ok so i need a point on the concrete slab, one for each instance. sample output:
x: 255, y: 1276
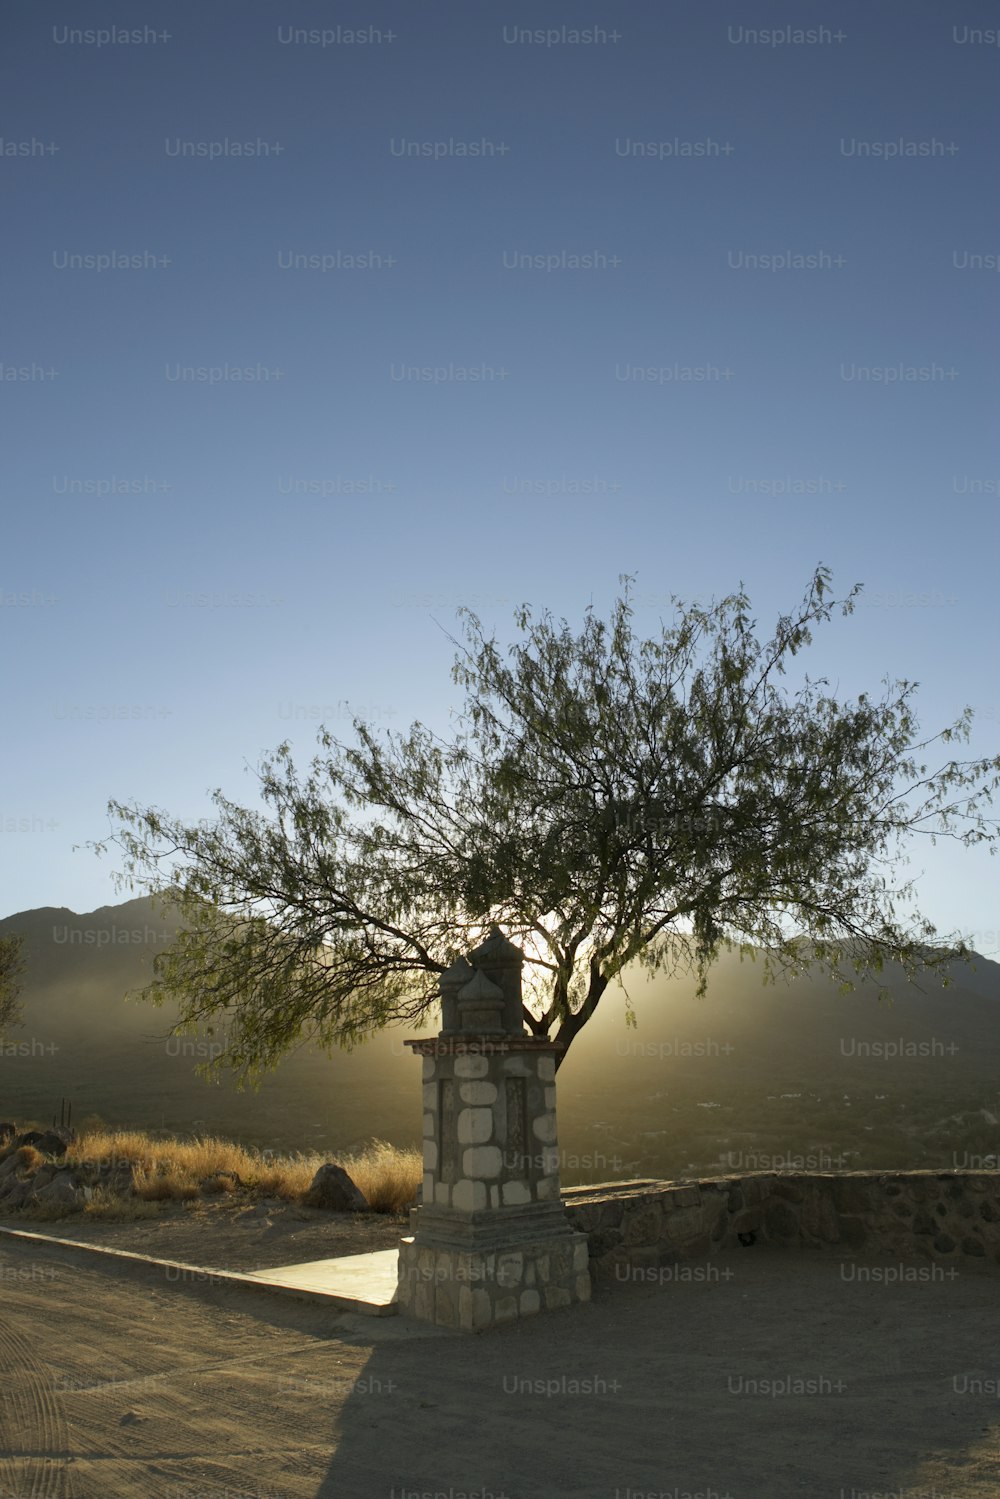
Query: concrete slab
x: 370, y: 1280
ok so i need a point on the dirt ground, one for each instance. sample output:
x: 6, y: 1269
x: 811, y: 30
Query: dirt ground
x: 764, y: 1375
x: 223, y: 1234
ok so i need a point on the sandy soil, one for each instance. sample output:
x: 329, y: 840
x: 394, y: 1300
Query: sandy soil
x: 223, y: 1234
x: 115, y: 1386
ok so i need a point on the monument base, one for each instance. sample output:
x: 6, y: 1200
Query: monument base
x: 473, y: 1289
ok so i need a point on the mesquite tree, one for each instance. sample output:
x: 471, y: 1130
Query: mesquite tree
x: 607, y: 801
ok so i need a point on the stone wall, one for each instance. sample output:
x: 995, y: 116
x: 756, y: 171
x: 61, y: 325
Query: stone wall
x: 939, y: 1215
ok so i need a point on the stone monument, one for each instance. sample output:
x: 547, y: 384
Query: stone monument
x: 490, y: 1241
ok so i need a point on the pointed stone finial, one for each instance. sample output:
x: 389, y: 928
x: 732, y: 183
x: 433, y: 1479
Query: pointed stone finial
x: 481, y: 1004
x: 449, y: 983
x: 501, y: 961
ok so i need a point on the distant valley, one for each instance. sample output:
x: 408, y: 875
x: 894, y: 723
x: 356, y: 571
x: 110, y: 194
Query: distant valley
x: 749, y: 1077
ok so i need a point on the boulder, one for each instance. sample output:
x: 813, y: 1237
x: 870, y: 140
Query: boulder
x: 15, y: 1195
x: 61, y: 1190
x: 9, y: 1166
x: 8, y: 1185
x: 333, y: 1189
x: 52, y: 1141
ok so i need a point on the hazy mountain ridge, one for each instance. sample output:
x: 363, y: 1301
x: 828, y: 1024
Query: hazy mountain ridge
x: 693, y: 1079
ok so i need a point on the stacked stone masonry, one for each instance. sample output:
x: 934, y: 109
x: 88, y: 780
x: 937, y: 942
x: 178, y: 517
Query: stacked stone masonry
x: 475, y: 1290
x: 947, y: 1216
x: 496, y: 1163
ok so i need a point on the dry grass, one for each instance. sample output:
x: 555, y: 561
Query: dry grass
x: 388, y: 1177
x: 181, y: 1170
x: 28, y: 1158
x: 105, y: 1204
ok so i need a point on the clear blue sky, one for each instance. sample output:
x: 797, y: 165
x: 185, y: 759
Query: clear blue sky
x: 302, y: 541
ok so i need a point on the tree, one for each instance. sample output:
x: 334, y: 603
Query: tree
x: 607, y: 801
x: 11, y: 968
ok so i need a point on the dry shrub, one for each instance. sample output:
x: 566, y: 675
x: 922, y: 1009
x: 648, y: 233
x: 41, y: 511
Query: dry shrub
x: 28, y: 1158
x: 180, y: 1170
x: 109, y: 1205
x: 46, y: 1212
x: 288, y: 1177
x: 389, y: 1177
x: 163, y: 1186
x: 221, y: 1181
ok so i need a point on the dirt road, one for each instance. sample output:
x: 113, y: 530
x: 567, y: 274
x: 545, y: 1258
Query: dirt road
x: 767, y: 1375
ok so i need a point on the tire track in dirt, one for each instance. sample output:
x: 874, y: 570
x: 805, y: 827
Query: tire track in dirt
x: 31, y: 1424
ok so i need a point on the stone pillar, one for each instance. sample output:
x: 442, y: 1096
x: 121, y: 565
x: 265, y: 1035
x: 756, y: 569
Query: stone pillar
x: 490, y: 1241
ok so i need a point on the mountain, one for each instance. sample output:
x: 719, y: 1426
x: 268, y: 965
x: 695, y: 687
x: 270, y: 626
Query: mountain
x: 749, y: 1076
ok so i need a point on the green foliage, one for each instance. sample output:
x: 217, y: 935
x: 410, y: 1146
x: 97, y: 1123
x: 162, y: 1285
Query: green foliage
x: 607, y: 801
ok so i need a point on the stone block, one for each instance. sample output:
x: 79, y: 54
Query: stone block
x: 685, y: 1227
x: 430, y: 1157
x: 581, y: 1256
x: 585, y: 1216
x: 428, y: 1126
x: 510, y: 1268
x: 445, y: 1304
x: 543, y: 1127
x: 547, y: 1069
x: 428, y: 1187
x: 514, y: 1193
x: 478, y: 1093
x: 468, y: 1196
x: 422, y: 1300
x: 644, y: 1224
x: 686, y: 1197
x: 561, y: 1262
x: 483, y: 1162
x: 430, y: 1096
x: 494, y: 1196
x: 556, y: 1296
x: 550, y: 1096
x: 505, y: 1309
x: 818, y: 1220
x: 474, y: 1128
x: 429, y: 1068
x: 581, y: 1286
x: 470, y: 1067
x: 442, y: 1195
x: 547, y: 1188
x: 530, y: 1302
